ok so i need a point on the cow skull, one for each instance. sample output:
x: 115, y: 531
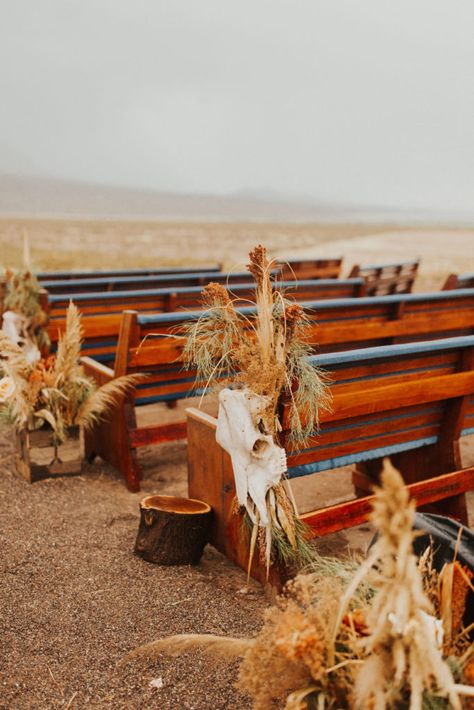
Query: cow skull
x: 257, y: 461
x: 15, y: 326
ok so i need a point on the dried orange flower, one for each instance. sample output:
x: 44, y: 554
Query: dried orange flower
x: 461, y: 578
x: 298, y: 640
x: 215, y: 294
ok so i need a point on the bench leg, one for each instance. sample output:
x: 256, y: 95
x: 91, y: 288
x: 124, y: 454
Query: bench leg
x: 110, y: 440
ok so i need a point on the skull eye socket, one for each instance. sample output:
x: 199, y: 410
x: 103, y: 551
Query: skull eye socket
x: 260, y: 447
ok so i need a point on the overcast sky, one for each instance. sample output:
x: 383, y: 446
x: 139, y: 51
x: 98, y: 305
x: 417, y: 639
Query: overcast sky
x: 369, y: 102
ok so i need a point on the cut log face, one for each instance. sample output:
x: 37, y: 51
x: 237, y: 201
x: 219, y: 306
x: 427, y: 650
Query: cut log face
x: 173, y: 531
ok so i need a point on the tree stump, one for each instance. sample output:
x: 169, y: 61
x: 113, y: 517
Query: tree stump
x: 173, y: 531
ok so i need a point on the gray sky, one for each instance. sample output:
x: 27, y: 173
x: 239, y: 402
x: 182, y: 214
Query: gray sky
x: 363, y: 101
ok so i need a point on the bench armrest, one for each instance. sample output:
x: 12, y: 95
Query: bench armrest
x: 97, y: 370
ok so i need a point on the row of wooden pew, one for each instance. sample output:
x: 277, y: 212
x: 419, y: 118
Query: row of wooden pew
x: 402, y: 368
x: 149, y: 344
x: 102, y: 310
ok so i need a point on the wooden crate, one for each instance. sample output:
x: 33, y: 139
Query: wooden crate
x: 36, y: 457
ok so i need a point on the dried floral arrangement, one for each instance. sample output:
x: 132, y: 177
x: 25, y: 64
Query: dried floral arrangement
x: 384, y: 634
x: 255, y: 363
x: 24, y: 320
x: 54, y: 392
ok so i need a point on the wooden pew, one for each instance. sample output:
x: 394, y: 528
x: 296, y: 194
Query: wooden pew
x: 455, y: 281
x: 384, y: 279
x: 151, y: 281
x: 171, y: 299
x: 56, y: 275
x: 411, y: 402
x: 338, y: 325
x: 343, y: 324
x: 310, y: 268
x: 136, y: 274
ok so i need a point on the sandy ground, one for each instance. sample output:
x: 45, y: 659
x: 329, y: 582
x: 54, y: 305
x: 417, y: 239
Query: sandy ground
x: 73, y: 597
x: 108, y: 244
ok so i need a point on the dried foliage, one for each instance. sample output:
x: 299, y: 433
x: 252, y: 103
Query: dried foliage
x: 355, y: 635
x: 54, y: 392
x: 292, y: 652
x: 221, y: 646
x: 22, y: 296
x: 266, y: 356
x: 369, y: 627
x: 404, y: 664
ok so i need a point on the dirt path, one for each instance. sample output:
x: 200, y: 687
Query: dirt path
x: 74, y: 599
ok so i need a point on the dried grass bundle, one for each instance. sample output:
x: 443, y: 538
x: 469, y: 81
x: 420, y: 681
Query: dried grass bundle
x: 22, y: 296
x: 219, y: 646
x: 351, y: 635
x: 404, y: 665
x: 55, y: 392
x: 265, y: 356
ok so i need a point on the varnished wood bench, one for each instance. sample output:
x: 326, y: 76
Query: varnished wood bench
x: 310, y: 268
x: 56, y: 275
x: 101, y: 312
x: 384, y: 279
x: 78, y: 277
x: 411, y: 402
x: 342, y: 324
x: 101, y: 284
x: 338, y: 324
x: 455, y: 281
x: 171, y: 299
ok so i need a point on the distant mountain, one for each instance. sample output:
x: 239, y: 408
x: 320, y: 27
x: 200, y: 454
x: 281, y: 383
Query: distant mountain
x: 47, y: 197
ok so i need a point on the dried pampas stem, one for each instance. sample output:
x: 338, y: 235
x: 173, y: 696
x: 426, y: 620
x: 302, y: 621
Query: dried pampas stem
x: 220, y: 646
x: 403, y: 648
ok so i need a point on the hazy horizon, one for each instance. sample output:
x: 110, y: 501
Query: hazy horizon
x: 367, y: 104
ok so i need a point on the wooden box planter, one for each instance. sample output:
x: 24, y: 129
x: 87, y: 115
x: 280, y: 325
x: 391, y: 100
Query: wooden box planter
x: 37, y: 457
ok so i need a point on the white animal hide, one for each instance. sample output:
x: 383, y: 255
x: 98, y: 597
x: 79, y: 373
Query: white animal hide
x: 15, y: 327
x: 257, y: 461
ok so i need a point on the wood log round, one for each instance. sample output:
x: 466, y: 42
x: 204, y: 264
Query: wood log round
x: 173, y: 531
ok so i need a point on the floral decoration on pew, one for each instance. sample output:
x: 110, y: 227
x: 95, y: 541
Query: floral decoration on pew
x: 256, y: 362
x: 54, y: 392
x: 383, y: 634
x: 24, y: 320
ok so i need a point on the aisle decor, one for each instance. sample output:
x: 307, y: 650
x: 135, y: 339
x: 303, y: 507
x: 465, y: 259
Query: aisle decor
x: 384, y: 633
x: 51, y: 401
x: 24, y: 320
x: 255, y: 362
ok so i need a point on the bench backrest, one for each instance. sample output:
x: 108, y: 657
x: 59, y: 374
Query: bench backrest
x: 344, y: 324
x: 384, y: 279
x: 310, y: 268
x: 341, y: 324
x: 387, y: 400
x: 140, y: 282
x: 57, y: 275
x: 171, y: 299
x: 455, y: 281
